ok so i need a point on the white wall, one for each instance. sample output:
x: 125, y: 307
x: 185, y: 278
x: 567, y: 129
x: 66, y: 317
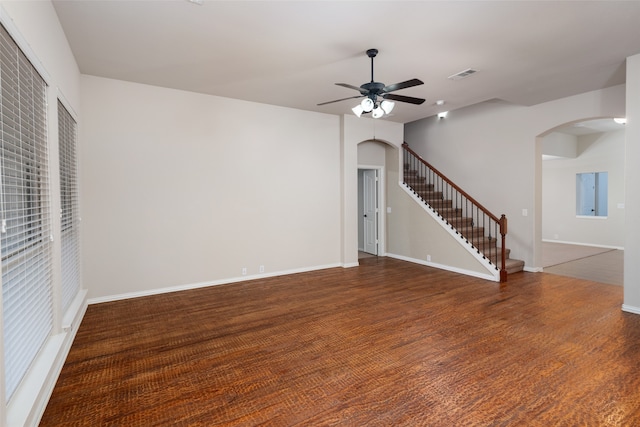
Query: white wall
x: 632, y: 183
x: 182, y: 189
x: 560, y: 144
x: 490, y: 151
x: 38, y: 23
x: 600, y: 152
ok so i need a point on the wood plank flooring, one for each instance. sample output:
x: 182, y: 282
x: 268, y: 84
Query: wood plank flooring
x: 584, y: 262
x: 388, y: 343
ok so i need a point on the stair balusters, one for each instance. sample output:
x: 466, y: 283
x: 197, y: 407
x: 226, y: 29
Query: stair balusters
x: 470, y: 220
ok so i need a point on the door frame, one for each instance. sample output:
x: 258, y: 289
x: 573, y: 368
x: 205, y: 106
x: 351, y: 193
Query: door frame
x: 381, y: 217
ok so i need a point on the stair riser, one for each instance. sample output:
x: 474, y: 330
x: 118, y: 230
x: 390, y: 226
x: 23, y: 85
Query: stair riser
x: 495, y: 251
x: 460, y: 222
x: 471, y: 233
x: 416, y: 186
x: 430, y: 195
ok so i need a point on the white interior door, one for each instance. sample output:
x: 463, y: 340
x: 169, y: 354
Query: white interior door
x: 370, y: 202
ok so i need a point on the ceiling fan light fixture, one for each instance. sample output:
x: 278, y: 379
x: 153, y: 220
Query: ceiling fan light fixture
x: 375, y: 94
x: 367, y: 105
x: 387, y: 106
x: 377, y: 112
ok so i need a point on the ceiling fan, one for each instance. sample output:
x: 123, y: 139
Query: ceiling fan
x: 377, y: 96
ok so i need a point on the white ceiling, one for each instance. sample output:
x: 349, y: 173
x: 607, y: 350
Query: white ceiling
x: 290, y: 53
x: 591, y: 126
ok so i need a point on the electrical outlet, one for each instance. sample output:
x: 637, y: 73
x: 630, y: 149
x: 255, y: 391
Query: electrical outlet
x: 428, y: 258
x: 244, y: 271
x: 262, y: 269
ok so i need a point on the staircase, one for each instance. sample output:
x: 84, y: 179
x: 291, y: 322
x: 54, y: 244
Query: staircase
x: 465, y: 216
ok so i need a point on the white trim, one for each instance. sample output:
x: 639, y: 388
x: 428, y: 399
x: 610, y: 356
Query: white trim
x: 381, y: 190
x: 491, y: 270
x: 186, y: 287
x: 30, y: 400
x: 75, y: 313
x: 352, y: 264
x: 12, y: 29
x: 630, y: 309
x: 584, y: 244
x: 446, y: 267
x: 533, y: 269
x: 67, y: 105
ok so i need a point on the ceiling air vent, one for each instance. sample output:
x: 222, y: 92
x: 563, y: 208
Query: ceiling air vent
x: 463, y: 74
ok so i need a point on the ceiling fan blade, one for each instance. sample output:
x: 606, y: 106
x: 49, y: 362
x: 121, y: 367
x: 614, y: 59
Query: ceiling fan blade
x: 338, y: 100
x: 402, y: 98
x: 402, y: 85
x: 348, y: 86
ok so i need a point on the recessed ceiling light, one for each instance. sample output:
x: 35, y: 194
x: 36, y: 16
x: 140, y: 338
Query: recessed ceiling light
x: 198, y: 2
x: 620, y: 120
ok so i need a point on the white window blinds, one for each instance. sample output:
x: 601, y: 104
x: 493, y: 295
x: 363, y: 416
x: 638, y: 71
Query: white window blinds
x: 24, y: 211
x: 67, y: 135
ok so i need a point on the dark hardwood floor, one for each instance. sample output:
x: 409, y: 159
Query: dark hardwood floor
x: 388, y: 343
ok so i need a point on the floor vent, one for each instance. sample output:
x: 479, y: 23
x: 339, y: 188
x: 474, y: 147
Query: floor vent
x: 463, y: 74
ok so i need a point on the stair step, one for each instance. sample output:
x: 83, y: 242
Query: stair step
x: 482, y: 242
x: 491, y: 253
x: 429, y: 194
x: 418, y: 183
x: 512, y: 265
x: 471, y: 232
x: 450, y: 212
x: 439, y: 204
x: 460, y: 222
x: 422, y: 187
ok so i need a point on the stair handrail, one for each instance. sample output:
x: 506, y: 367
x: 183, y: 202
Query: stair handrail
x: 502, y: 221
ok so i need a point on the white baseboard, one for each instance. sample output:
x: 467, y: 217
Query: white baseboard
x: 157, y: 291
x: 630, y: 309
x: 351, y: 264
x: 487, y: 276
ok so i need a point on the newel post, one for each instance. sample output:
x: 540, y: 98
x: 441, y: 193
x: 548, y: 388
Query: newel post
x: 503, y: 232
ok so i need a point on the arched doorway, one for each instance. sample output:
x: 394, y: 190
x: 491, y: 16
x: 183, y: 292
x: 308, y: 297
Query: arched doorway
x: 374, y: 158
x: 564, y: 237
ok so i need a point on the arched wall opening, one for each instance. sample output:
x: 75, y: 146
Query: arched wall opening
x: 355, y: 131
x: 375, y: 157
x: 595, y: 144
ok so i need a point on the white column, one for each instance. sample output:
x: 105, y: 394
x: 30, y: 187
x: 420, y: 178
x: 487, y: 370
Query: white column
x: 631, y: 301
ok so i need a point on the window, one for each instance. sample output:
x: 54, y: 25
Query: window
x: 67, y: 131
x: 592, y: 194
x: 24, y: 210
